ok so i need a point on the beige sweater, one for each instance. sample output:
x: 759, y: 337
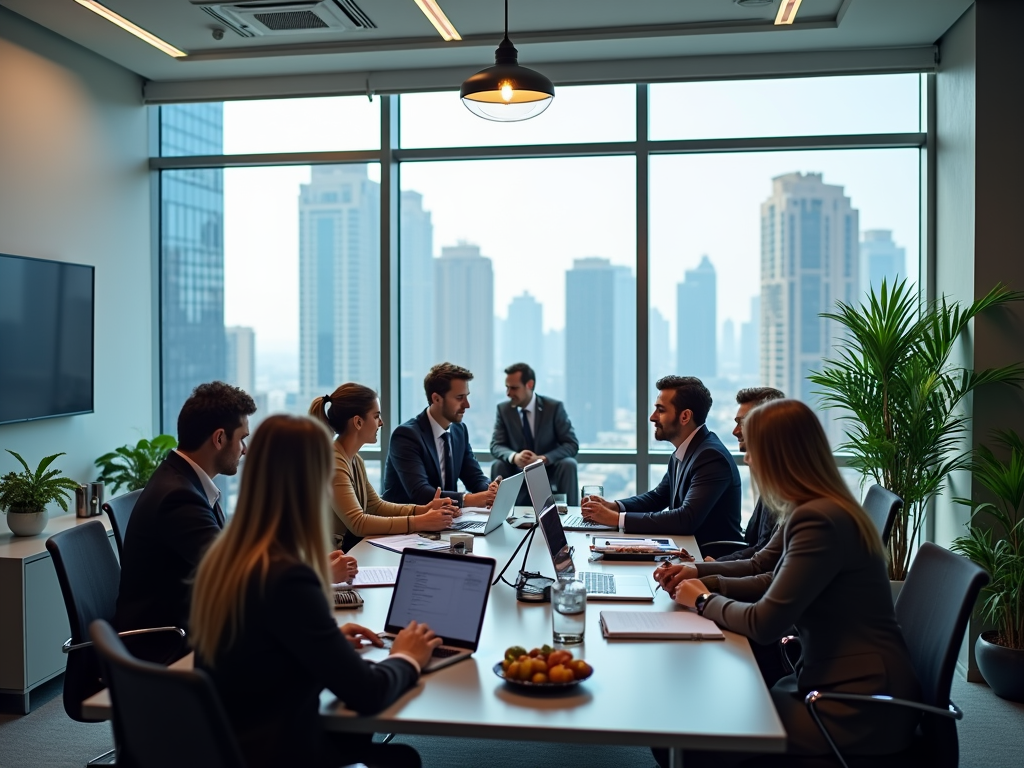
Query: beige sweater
x: 356, y: 505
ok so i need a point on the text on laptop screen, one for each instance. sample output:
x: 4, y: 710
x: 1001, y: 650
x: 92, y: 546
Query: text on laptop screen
x: 448, y: 594
x: 538, y: 485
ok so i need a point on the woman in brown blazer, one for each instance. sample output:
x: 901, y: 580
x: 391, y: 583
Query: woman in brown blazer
x: 831, y: 582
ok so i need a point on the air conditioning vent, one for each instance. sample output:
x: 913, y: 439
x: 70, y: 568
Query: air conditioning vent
x: 281, y: 17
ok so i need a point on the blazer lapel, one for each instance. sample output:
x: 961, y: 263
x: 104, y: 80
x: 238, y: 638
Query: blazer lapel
x: 691, y: 451
x: 539, y: 421
x: 514, y: 423
x: 427, y: 436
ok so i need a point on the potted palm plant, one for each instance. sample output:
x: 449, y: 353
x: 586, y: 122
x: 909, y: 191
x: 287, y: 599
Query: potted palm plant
x: 998, y: 547
x: 24, y: 495
x: 902, y: 398
x: 132, y: 466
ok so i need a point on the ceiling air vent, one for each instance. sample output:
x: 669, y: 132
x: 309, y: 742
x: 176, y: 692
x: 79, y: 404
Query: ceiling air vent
x: 274, y: 17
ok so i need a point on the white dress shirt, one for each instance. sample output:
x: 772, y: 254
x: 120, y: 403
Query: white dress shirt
x: 679, y: 453
x: 438, y: 431
x: 211, y: 489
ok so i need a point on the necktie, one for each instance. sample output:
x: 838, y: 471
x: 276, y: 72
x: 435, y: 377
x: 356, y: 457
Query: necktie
x: 527, y: 432
x: 449, y: 463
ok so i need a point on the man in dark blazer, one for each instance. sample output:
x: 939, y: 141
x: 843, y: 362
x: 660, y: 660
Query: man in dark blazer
x: 432, y: 450
x: 700, y: 493
x: 178, y: 514
x: 530, y: 427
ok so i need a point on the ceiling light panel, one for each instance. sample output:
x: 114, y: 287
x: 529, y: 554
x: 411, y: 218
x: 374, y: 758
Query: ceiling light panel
x: 787, y: 11
x: 127, y: 26
x: 436, y: 16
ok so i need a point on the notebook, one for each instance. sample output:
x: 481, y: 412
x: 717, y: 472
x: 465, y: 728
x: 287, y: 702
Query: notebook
x: 447, y: 592
x: 539, y: 486
x: 658, y: 625
x: 504, y: 501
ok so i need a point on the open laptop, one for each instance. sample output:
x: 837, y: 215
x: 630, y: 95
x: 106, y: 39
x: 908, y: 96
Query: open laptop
x: 540, y: 494
x: 600, y: 586
x: 504, y: 501
x: 447, y: 592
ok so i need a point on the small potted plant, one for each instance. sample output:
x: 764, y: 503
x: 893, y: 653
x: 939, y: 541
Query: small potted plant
x: 132, y: 466
x: 999, y: 549
x: 24, y: 495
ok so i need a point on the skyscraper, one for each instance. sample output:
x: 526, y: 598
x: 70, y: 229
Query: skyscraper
x: 809, y: 260
x: 524, y: 334
x: 624, y: 357
x: 728, y: 356
x: 880, y: 259
x: 662, y: 362
x: 416, y: 306
x: 339, y: 280
x: 240, y: 347
x: 464, y: 326
x: 750, y: 342
x: 589, y: 347
x: 697, y: 322
x: 192, y: 255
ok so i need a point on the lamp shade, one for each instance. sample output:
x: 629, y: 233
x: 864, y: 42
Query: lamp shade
x: 507, y: 92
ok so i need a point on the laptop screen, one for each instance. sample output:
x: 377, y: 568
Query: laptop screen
x: 447, y: 592
x: 539, y: 486
x: 554, y: 535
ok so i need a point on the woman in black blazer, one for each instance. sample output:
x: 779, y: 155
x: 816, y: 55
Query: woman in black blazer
x: 831, y: 582
x: 262, y: 622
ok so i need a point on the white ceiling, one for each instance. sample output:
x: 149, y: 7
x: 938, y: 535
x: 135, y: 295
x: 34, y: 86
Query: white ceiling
x: 544, y: 31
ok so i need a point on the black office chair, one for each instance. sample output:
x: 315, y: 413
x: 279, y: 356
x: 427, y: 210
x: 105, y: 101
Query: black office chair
x: 717, y: 549
x: 882, y: 507
x: 89, y: 578
x: 119, y: 510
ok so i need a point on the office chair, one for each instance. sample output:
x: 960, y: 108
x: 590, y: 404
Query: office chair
x: 119, y: 510
x: 717, y: 549
x: 89, y: 577
x: 882, y: 507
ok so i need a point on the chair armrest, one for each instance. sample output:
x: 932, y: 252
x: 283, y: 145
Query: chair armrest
x: 784, y: 645
x: 719, y: 548
x: 68, y: 646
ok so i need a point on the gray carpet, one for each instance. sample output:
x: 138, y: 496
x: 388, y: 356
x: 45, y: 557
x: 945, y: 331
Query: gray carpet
x: 991, y: 736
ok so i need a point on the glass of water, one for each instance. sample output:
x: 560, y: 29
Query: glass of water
x: 569, y: 617
x: 591, y: 490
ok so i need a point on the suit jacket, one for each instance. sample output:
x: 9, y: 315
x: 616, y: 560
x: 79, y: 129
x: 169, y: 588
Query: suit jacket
x: 289, y: 644
x: 169, y: 530
x: 553, y: 435
x: 837, y: 593
x: 745, y: 579
x: 758, y: 534
x: 706, y: 504
x: 412, y: 472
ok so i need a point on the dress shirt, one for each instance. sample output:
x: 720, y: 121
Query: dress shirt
x: 680, y: 452
x: 209, y: 487
x: 438, y: 431
x: 530, y: 409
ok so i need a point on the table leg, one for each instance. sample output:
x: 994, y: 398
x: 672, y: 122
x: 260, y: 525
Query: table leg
x: 675, y: 757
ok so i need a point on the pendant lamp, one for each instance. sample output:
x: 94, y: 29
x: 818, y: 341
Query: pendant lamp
x: 507, y: 92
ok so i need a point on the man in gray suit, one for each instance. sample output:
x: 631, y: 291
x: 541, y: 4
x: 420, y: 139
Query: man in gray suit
x: 531, y: 427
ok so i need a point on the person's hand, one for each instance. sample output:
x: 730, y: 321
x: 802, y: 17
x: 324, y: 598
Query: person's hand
x: 343, y: 567
x: 709, y: 559
x: 434, y: 519
x: 356, y: 634
x: 481, y: 499
x: 688, y: 591
x: 670, y: 576
x: 600, y: 511
x: 438, y: 502
x: 523, y: 458
x: 417, y: 641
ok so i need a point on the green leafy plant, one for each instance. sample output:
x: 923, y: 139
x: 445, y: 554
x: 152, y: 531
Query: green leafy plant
x: 30, y: 491
x: 132, y: 466
x: 999, y: 548
x: 904, y: 421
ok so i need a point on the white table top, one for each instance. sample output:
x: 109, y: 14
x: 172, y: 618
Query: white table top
x: 690, y: 694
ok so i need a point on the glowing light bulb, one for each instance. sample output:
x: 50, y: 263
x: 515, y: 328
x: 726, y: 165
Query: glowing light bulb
x: 507, y: 92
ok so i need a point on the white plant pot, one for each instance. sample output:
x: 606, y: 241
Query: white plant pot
x: 26, y: 523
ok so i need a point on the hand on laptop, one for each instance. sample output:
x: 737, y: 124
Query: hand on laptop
x: 343, y: 567
x: 356, y: 634
x: 438, y: 502
x: 598, y: 510
x: 416, y: 640
x: 483, y: 498
x: 671, y: 576
x: 438, y: 519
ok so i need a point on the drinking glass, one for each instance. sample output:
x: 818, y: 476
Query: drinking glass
x: 591, y: 490
x: 569, y: 617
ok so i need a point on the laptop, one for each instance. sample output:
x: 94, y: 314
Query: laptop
x: 600, y: 586
x: 540, y: 494
x: 447, y: 592
x: 504, y: 501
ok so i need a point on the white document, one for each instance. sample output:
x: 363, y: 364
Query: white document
x: 374, y: 576
x: 408, y: 541
x: 655, y: 625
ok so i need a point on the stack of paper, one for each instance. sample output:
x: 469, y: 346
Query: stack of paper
x: 408, y: 541
x: 653, y: 625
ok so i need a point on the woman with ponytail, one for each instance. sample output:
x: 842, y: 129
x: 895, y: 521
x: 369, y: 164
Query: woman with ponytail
x: 352, y: 413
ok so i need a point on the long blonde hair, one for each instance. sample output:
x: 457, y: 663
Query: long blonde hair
x: 793, y: 464
x: 282, y: 514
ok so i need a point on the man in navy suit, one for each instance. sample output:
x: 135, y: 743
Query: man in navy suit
x: 178, y: 514
x: 432, y: 450
x: 700, y: 493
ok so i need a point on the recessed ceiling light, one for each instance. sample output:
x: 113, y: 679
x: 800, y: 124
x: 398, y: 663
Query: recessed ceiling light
x: 444, y: 27
x: 787, y: 11
x: 127, y: 26
x: 753, y: 3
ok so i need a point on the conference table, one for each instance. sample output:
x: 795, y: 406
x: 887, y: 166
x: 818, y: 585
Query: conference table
x: 697, y: 695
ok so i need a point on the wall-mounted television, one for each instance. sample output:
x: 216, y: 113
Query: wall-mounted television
x: 46, y: 338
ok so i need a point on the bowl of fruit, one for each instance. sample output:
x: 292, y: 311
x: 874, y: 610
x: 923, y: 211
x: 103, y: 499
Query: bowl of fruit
x: 542, y: 668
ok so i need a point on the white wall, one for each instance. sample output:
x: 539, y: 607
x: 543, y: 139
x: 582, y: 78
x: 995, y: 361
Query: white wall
x: 74, y: 186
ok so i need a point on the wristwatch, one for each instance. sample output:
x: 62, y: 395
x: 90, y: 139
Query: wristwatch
x: 701, y: 601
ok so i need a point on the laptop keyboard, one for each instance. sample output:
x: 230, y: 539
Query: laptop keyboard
x: 444, y: 653
x: 597, y: 583
x: 467, y: 525
x: 577, y: 521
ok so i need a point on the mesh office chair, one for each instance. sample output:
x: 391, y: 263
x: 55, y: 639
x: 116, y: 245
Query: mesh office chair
x: 882, y: 507
x: 119, y: 510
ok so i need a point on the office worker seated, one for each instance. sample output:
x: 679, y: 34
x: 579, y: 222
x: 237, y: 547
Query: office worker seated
x: 352, y: 413
x: 178, y: 514
x: 831, y: 582
x: 530, y: 427
x: 432, y: 450
x: 263, y: 623
x: 700, y: 493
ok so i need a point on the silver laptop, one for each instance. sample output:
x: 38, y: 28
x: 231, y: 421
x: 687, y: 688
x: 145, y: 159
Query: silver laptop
x: 504, y: 501
x: 540, y: 495
x: 600, y: 586
x: 447, y: 592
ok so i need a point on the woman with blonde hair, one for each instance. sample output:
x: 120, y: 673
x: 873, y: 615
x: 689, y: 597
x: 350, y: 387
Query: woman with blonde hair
x: 831, y: 583
x: 262, y: 623
x: 352, y: 412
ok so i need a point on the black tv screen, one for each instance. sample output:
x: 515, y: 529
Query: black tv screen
x: 46, y: 339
